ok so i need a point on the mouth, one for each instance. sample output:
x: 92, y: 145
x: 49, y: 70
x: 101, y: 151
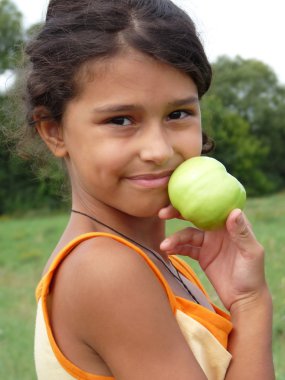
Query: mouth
x: 151, y: 180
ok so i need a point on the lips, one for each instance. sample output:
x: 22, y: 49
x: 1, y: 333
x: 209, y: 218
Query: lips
x: 151, y: 180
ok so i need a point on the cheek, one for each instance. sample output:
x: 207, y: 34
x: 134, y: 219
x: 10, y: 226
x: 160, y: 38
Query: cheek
x: 190, y: 144
x: 109, y: 154
x: 108, y: 162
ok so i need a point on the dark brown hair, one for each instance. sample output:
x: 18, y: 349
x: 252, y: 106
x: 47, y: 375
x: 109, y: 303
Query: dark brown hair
x: 76, y: 32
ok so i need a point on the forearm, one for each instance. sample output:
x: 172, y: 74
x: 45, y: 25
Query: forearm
x: 250, y: 342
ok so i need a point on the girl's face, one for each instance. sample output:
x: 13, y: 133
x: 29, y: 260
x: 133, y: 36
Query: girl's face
x: 133, y: 123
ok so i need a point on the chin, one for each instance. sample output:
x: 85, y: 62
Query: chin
x: 149, y: 210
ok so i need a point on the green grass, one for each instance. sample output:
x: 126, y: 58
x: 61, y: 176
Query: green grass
x: 25, y: 244
x: 24, y: 247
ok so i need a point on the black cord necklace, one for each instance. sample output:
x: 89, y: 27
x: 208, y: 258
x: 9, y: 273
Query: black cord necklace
x: 178, y: 276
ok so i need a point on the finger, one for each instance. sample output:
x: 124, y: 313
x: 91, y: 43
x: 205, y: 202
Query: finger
x: 186, y: 250
x: 242, y: 234
x: 187, y: 236
x: 168, y: 212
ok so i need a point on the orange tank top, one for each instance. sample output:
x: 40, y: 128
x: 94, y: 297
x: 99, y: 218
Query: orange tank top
x: 206, y: 332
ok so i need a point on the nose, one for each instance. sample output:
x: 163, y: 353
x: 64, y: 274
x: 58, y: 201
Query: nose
x: 156, y: 145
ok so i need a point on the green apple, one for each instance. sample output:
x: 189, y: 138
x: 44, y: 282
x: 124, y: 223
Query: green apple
x: 204, y: 192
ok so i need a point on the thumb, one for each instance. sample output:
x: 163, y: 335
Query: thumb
x: 241, y: 231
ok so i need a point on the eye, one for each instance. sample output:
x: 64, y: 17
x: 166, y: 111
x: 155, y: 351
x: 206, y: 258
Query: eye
x: 177, y: 115
x: 120, y: 120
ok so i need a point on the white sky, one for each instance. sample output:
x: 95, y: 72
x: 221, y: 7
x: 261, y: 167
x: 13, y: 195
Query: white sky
x: 249, y: 28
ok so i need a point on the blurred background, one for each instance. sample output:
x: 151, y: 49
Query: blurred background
x: 244, y: 112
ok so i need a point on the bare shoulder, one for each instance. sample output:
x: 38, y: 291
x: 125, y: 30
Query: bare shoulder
x: 103, y: 263
x: 112, y: 301
x: 101, y: 275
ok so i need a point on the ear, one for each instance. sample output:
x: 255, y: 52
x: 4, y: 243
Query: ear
x: 50, y: 131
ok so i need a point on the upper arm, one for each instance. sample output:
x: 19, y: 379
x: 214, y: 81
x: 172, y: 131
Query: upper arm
x: 123, y: 313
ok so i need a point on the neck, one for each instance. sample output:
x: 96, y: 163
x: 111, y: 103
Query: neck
x: 148, y: 231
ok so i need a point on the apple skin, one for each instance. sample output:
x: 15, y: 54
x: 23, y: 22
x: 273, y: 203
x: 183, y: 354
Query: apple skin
x: 204, y: 192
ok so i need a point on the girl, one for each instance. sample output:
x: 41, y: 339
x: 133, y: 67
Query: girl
x: 114, y: 89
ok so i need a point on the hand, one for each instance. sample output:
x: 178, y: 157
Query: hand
x: 231, y: 257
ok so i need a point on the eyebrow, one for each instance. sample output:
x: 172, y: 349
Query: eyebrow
x: 130, y: 107
x: 182, y: 102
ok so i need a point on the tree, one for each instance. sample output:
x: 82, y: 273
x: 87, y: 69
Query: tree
x: 240, y: 151
x: 249, y: 89
x: 11, y: 35
x: 20, y: 188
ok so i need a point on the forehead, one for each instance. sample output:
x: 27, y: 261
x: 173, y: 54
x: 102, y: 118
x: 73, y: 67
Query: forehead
x: 133, y: 71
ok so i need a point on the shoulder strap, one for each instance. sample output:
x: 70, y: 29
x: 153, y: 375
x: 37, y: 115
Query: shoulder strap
x: 43, y: 287
x: 188, y: 272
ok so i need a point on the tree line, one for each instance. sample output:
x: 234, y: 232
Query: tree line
x: 243, y: 112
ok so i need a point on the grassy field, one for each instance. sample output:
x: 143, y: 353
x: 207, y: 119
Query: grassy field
x: 26, y: 242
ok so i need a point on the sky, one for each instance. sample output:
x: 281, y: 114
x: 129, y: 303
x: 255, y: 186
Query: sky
x: 248, y: 28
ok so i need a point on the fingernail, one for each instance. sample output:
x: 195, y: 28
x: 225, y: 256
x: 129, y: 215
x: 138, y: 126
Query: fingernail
x: 240, y: 219
x: 165, y: 244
